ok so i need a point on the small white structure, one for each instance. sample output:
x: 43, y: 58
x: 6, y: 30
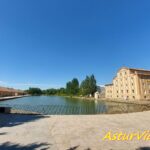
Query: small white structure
x: 90, y: 95
x: 96, y: 95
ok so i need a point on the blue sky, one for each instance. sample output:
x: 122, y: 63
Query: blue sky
x: 46, y: 43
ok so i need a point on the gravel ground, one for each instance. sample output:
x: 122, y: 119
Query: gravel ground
x: 80, y: 132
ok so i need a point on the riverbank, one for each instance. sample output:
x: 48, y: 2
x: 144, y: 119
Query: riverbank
x: 12, y: 97
x: 72, y: 132
x: 140, y: 102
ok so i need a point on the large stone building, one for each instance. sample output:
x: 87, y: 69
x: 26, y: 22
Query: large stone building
x: 129, y: 84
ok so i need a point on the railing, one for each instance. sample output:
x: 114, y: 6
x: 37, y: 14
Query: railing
x: 74, y: 110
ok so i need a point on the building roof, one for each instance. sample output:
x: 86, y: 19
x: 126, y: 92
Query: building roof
x: 139, y: 69
x: 4, y: 89
x: 135, y: 69
x: 108, y: 84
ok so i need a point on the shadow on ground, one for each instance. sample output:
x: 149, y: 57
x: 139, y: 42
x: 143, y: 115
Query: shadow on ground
x: 144, y: 148
x: 76, y: 147
x: 10, y: 120
x: 11, y: 146
x: 3, y: 133
x: 73, y: 148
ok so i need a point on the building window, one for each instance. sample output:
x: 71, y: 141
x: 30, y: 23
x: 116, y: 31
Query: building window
x: 133, y: 97
x: 127, y: 91
x: 131, y: 80
x: 145, y: 97
x: 132, y: 91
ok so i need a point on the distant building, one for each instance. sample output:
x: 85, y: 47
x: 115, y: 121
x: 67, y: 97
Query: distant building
x: 10, y: 92
x: 96, y: 95
x: 129, y: 84
x: 100, y: 93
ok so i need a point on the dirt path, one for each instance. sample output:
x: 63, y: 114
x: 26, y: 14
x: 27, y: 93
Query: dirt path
x: 71, y: 132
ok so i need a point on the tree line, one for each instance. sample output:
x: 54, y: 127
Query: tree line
x: 73, y: 88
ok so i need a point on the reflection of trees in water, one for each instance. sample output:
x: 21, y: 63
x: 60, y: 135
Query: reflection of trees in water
x: 72, y: 101
x: 101, y: 108
x: 80, y: 106
x: 77, y: 106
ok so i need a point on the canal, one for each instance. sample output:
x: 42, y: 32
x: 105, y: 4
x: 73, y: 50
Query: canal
x: 66, y: 106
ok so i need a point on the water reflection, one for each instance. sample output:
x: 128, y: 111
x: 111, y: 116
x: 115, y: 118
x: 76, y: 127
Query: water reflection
x: 63, y: 105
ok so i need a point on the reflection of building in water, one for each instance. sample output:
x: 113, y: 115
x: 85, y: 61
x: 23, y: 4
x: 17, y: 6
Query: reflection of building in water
x: 129, y: 84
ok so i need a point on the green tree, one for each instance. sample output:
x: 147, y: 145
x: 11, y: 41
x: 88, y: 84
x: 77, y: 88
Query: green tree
x: 92, y: 85
x: 34, y: 91
x: 68, y: 88
x: 61, y: 91
x: 84, y: 87
x: 51, y: 91
x: 72, y: 87
x: 88, y: 86
x: 75, y: 86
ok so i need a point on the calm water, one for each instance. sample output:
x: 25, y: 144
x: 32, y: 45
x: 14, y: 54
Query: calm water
x: 62, y: 105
